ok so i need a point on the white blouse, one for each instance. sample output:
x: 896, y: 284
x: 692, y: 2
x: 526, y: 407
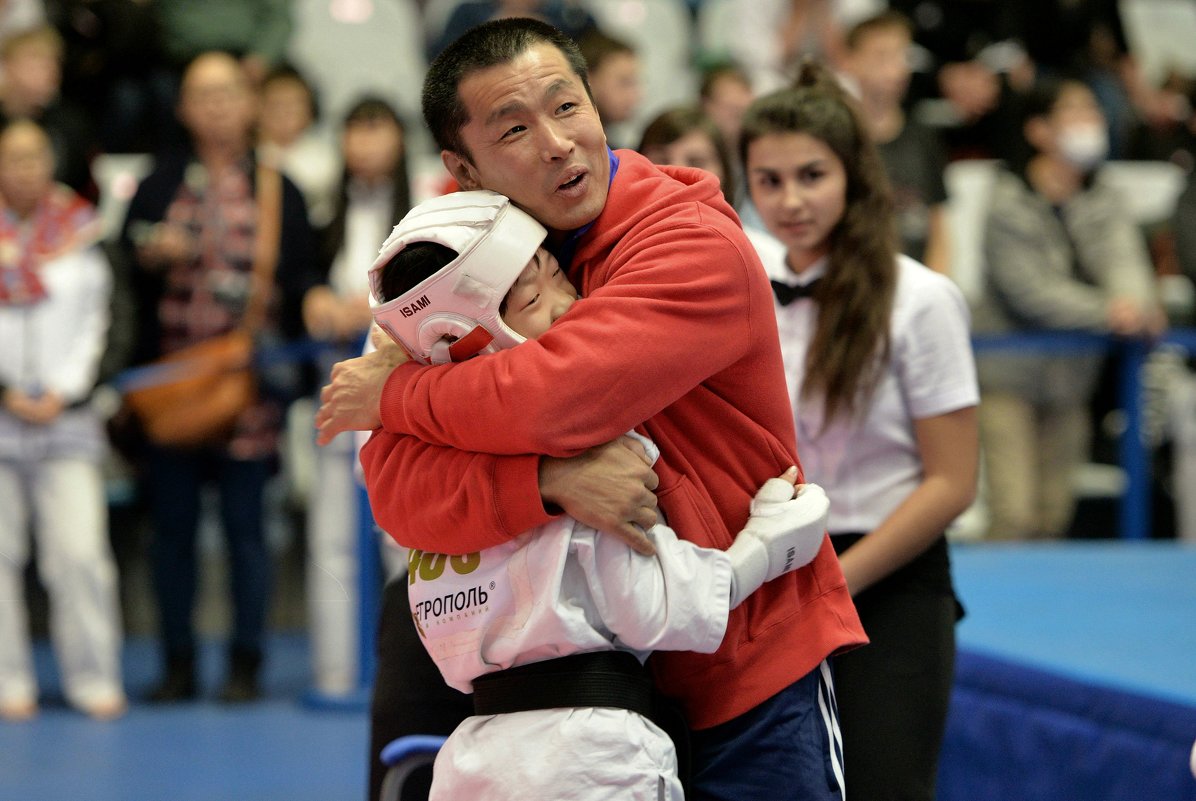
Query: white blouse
x: 869, y: 464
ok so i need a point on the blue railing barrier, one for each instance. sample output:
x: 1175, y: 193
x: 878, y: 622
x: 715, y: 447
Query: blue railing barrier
x: 1134, y: 513
x: 1133, y: 451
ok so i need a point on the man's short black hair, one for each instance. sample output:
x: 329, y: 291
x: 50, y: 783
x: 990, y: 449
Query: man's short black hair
x: 413, y: 265
x: 487, y: 45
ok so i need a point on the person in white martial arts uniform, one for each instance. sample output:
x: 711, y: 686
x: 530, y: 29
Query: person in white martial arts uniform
x: 55, y: 287
x: 563, y: 612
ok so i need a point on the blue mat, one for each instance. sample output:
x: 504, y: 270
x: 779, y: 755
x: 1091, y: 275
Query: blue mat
x: 1076, y: 682
x: 1117, y: 613
x: 274, y: 750
x: 1077, y: 674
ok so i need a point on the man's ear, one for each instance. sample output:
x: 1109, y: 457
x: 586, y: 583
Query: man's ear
x: 462, y: 171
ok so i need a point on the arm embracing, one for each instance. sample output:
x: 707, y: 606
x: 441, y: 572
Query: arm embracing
x: 675, y: 311
x: 446, y: 500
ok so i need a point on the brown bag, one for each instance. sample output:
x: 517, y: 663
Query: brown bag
x: 194, y: 396
x: 202, y: 391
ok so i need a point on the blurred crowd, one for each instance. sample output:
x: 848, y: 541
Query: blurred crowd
x: 199, y: 102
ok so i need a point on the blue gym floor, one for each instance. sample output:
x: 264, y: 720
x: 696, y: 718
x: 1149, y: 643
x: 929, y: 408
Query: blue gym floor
x: 274, y: 750
x: 1118, y: 614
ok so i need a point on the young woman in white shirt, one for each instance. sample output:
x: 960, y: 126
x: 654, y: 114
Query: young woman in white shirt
x: 877, y: 352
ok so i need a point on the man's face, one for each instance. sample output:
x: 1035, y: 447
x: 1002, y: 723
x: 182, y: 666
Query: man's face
x: 534, y: 136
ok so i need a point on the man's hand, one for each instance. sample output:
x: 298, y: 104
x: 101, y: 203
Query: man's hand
x: 609, y: 487
x: 351, y: 402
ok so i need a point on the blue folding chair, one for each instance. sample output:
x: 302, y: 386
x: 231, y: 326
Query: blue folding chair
x: 403, y: 756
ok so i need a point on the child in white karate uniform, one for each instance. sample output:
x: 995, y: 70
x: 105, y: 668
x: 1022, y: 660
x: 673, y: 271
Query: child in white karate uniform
x: 550, y: 630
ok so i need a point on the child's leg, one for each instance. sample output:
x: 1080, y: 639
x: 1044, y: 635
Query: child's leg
x: 76, y: 564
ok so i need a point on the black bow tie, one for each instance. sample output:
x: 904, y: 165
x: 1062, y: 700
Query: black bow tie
x: 786, y: 293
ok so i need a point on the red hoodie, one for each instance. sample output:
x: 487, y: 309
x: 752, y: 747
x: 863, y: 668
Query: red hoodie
x: 676, y: 329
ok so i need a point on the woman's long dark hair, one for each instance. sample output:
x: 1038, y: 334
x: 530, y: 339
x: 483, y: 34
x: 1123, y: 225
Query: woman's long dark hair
x: 851, y: 341
x: 333, y: 239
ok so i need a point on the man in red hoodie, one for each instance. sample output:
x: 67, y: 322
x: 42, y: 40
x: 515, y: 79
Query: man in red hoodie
x: 677, y: 338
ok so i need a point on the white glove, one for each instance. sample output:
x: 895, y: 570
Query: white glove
x: 784, y: 533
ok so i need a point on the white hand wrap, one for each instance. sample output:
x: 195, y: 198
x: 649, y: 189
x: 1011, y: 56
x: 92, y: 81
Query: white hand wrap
x: 783, y: 533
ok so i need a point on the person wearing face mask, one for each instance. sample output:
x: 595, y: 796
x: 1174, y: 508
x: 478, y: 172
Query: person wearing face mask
x: 1061, y: 255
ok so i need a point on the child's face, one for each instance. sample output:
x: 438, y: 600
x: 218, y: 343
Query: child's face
x: 539, y: 296
x: 799, y: 186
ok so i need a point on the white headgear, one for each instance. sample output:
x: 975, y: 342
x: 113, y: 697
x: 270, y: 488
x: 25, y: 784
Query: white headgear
x: 454, y: 314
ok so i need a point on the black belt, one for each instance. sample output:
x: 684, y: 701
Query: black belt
x: 600, y: 678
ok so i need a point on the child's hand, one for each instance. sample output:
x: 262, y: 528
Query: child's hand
x: 785, y: 532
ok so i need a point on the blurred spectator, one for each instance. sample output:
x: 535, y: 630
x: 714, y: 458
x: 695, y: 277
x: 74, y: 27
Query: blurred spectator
x: 374, y: 196
x: 613, y: 71
x: 1169, y: 136
x: 774, y: 36
x: 877, y: 66
x: 20, y: 15
x: 32, y: 65
x: 287, y: 141
x: 192, y: 231
x: 112, y: 70
x: 1183, y: 225
x: 54, y: 289
x: 1086, y: 41
x: 1061, y: 254
x: 688, y: 138
x: 725, y: 94
x: 569, y: 16
x: 255, y: 31
x: 970, y: 70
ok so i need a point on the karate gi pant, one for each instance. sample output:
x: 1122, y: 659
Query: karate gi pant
x: 62, y: 502
x: 583, y: 754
